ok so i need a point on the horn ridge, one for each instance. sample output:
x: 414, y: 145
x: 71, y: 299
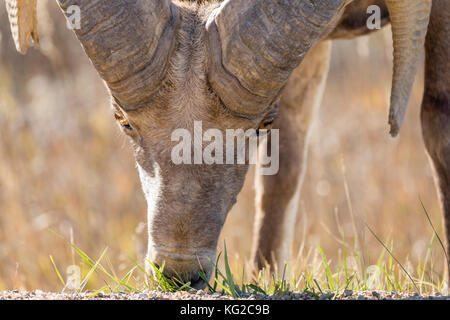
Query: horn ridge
x: 261, y: 42
x: 129, y: 42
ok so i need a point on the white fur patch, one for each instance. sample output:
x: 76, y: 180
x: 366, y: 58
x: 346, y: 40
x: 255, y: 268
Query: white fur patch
x: 151, y: 185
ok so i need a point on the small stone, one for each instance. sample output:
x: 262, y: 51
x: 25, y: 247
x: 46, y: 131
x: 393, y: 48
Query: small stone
x: 375, y: 294
x: 325, y: 296
x: 142, y: 296
x: 348, y: 293
x: 192, y: 291
x: 298, y: 296
x: 361, y: 297
x: 437, y: 294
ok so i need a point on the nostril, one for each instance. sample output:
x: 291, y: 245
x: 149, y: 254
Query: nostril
x: 195, y: 278
x: 156, y: 266
x: 197, y: 283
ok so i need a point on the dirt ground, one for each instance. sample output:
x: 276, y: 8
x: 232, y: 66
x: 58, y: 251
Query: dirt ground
x: 203, y: 295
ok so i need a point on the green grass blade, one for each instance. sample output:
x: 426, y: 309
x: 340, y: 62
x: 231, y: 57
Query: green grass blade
x: 223, y: 287
x: 393, y: 257
x: 57, y: 271
x: 229, y: 279
x: 437, y: 235
x: 94, y: 267
x: 97, y: 292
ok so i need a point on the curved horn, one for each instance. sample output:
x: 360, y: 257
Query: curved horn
x: 22, y: 17
x: 128, y: 42
x: 409, y: 20
x: 256, y: 44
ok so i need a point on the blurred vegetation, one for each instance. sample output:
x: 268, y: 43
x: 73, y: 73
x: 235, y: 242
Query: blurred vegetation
x: 64, y: 165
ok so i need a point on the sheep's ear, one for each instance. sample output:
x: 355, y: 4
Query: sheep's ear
x: 23, y: 20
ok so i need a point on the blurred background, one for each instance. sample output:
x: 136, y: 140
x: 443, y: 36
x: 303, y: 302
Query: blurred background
x: 65, y: 166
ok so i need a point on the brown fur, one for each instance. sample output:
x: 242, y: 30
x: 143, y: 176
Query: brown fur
x: 435, y: 113
x: 354, y: 19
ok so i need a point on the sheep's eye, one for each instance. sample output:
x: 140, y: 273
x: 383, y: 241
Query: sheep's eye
x: 122, y: 120
x: 265, y: 125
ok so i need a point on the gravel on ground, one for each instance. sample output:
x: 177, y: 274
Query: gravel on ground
x: 204, y: 295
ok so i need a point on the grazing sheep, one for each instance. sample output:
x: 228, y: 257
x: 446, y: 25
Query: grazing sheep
x: 238, y: 64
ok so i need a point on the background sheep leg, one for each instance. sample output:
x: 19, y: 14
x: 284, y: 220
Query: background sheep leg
x: 436, y: 106
x: 277, y: 196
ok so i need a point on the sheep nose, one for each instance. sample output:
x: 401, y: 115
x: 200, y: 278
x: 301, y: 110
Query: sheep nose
x: 183, y: 269
x: 191, y: 277
x: 196, y: 282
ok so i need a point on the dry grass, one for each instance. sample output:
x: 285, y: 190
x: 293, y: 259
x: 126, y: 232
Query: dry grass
x: 64, y: 165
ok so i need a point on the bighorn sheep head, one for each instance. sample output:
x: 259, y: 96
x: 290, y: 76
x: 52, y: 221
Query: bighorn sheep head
x: 168, y: 64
